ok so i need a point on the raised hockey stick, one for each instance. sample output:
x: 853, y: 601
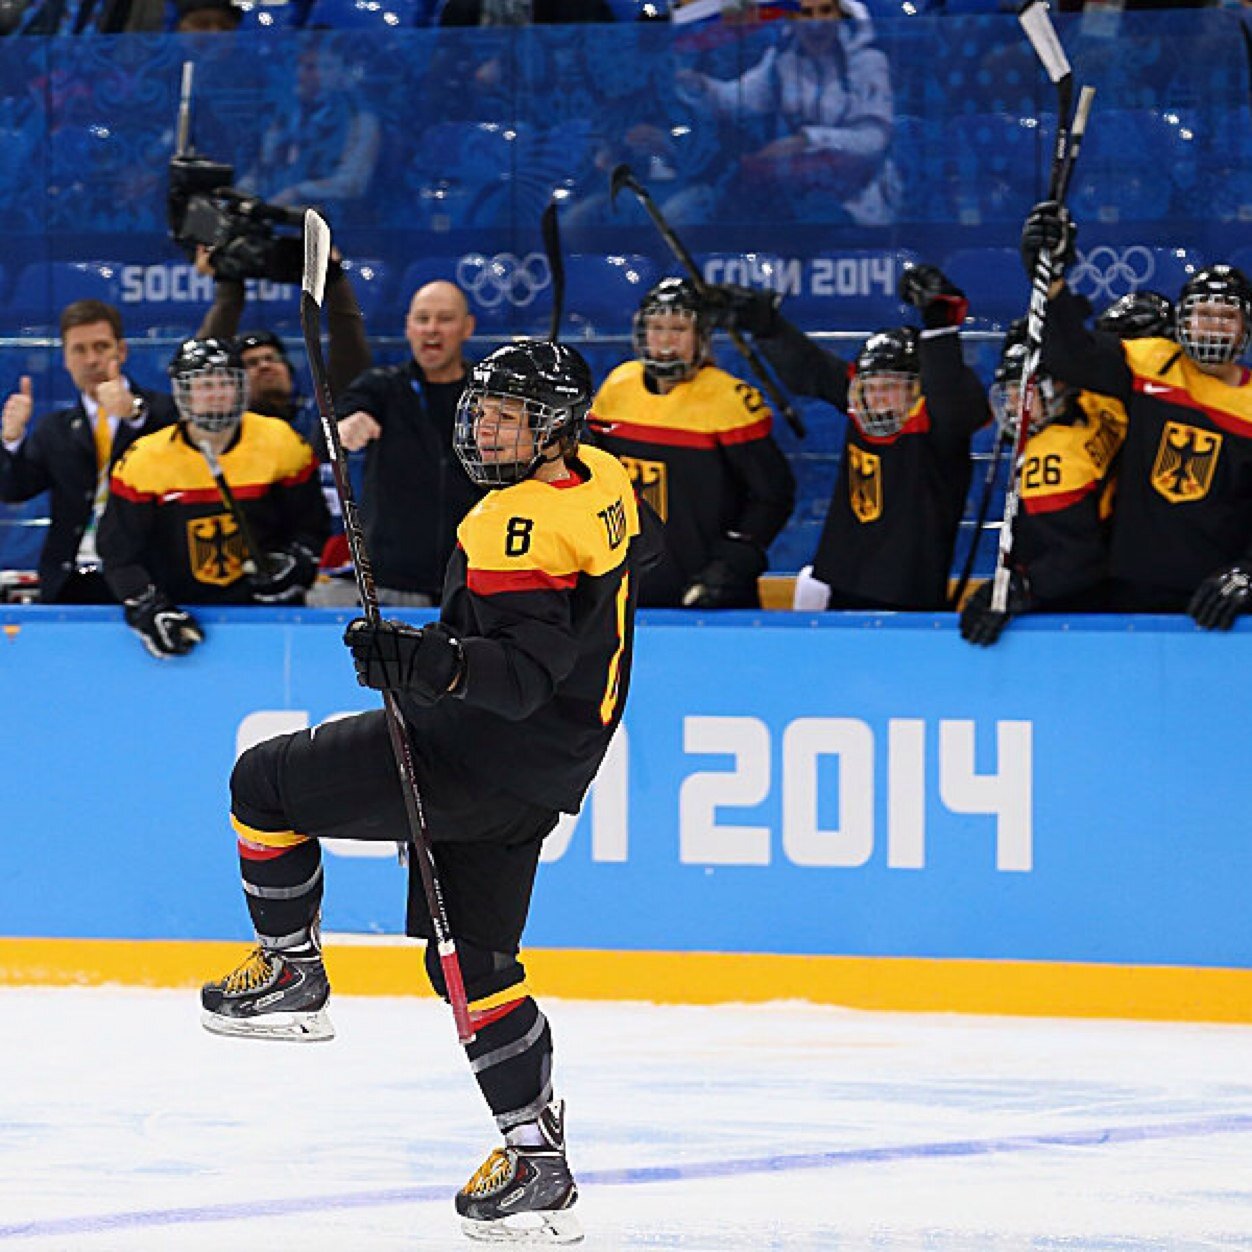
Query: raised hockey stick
x: 316, y: 258
x: 550, y: 230
x: 1043, y: 38
x: 255, y: 560
x: 623, y: 177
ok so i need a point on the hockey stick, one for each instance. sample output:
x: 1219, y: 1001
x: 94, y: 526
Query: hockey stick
x: 255, y: 560
x: 316, y: 257
x: 550, y: 229
x: 623, y: 177
x: 1042, y: 35
x: 980, y: 520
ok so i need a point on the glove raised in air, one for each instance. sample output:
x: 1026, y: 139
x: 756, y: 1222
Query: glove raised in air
x: 928, y: 289
x: 1049, y: 225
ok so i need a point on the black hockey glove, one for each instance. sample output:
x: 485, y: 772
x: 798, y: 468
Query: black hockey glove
x: 426, y: 663
x: 288, y: 574
x: 1049, y: 225
x: 1221, y: 597
x: 728, y: 581
x: 732, y: 307
x: 163, y: 628
x: 928, y: 289
x: 980, y: 623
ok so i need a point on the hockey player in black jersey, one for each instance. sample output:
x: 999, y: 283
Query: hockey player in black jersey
x: 698, y: 444
x: 1059, y: 558
x: 1182, y: 521
x: 510, y: 700
x: 914, y: 406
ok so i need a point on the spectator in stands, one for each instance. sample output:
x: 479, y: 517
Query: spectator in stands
x: 1182, y: 520
x: 71, y: 451
x: 171, y: 534
x: 415, y: 489
x: 914, y: 406
x: 323, y: 151
x: 200, y: 17
x: 826, y: 89
x: 1059, y: 562
x: 698, y: 447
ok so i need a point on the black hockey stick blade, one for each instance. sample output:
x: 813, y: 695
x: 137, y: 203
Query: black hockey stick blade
x: 622, y: 176
x: 550, y: 229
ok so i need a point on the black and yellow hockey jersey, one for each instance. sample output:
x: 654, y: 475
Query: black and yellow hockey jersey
x: 166, y: 523
x: 1184, y: 482
x: 541, y: 589
x: 1061, y: 534
x: 703, y: 456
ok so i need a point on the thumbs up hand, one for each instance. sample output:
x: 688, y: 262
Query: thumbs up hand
x: 113, y: 395
x: 17, y: 411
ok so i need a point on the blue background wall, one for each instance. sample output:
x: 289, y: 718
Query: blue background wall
x: 864, y: 786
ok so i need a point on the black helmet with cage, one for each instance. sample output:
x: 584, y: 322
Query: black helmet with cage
x: 1206, y: 322
x: 886, y: 383
x: 1050, y: 395
x: 1138, y: 315
x: 678, y: 301
x: 209, y: 384
x: 523, y: 404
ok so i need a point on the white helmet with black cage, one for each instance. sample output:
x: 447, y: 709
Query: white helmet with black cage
x: 209, y: 384
x: 524, y: 404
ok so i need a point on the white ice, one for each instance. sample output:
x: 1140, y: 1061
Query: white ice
x: 124, y: 1126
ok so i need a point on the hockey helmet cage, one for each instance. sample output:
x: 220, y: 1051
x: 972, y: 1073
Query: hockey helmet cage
x: 209, y: 384
x: 886, y: 382
x: 678, y: 297
x: 1207, y: 332
x: 547, y: 384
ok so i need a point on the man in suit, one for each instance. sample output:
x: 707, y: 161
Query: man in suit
x: 71, y: 451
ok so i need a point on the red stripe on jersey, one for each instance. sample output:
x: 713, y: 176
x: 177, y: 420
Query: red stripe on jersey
x: 668, y: 435
x: 1171, y: 394
x: 302, y: 475
x: 492, y: 582
x: 251, y: 852
x: 746, y: 434
x: 118, y: 487
x: 1055, y: 503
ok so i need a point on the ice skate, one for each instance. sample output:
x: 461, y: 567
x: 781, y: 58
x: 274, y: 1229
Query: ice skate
x: 524, y: 1194
x: 270, y: 996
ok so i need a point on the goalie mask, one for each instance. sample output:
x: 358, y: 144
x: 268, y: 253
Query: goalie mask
x: 887, y: 383
x: 209, y: 384
x: 671, y: 331
x: 522, y: 405
x: 1214, y: 317
x: 1138, y: 315
x: 1048, y: 401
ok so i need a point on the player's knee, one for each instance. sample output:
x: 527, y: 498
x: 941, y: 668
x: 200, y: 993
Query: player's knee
x: 255, y: 798
x: 485, y: 973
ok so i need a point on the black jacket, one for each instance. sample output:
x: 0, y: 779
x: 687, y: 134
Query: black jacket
x: 59, y: 455
x: 416, y: 491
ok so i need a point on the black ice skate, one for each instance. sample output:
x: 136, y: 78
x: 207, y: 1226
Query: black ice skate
x: 524, y: 1194
x: 270, y: 996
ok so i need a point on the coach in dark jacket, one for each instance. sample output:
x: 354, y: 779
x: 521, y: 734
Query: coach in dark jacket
x: 416, y: 491
x: 70, y: 452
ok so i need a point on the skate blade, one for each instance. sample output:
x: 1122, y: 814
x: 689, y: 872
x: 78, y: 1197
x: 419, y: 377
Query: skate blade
x: 289, y: 1027
x: 548, y: 1227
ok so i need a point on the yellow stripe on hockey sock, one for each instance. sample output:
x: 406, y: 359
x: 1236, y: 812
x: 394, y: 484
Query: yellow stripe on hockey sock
x: 267, y: 838
x: 519, y: 991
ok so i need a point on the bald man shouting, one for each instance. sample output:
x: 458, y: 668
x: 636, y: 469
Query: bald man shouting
x: 415, y: 489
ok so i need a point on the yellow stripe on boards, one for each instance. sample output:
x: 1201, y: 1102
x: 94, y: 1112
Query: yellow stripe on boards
x: 1026, y: 988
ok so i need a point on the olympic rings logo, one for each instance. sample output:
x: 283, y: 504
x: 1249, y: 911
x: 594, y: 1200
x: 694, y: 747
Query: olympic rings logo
x: 1107, y: 273
x: 504, y: 278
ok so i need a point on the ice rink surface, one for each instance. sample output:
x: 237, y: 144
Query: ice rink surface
x: 125, y: 1126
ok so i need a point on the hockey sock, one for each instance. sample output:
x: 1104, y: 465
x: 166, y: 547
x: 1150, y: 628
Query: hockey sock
x: 282, y: 881
x: 512, y: 1062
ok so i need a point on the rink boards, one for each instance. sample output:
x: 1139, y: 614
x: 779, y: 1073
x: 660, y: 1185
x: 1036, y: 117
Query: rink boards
x: 851, y: 809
